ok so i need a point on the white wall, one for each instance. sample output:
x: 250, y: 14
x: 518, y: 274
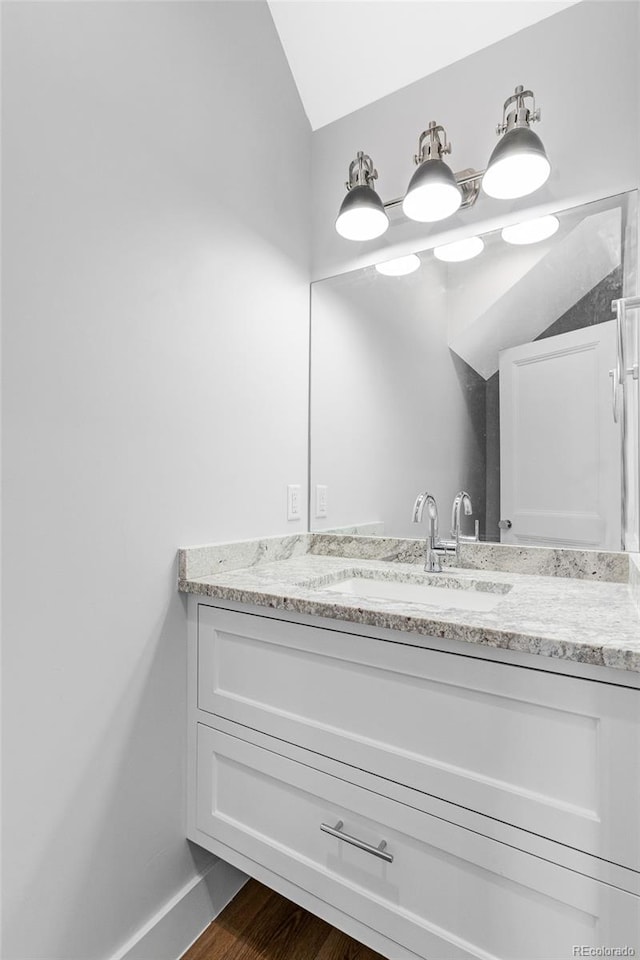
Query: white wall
x: 581, y: 63
x: 155, y: 307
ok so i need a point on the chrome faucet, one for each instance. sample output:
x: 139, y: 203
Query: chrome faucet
x: 433, y: 547
x: 462, y: 500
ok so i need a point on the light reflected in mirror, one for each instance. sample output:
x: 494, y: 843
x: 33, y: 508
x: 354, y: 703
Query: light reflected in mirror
x: 489, y: 375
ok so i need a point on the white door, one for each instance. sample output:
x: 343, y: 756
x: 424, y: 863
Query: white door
x: 559, y: 445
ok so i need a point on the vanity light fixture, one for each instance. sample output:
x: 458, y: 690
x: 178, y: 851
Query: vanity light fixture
x: 433, y: 192
x: 518, y: 164
x: 460, y: 250
x: 362, y: 215
x: 400, y: 266
x: 517, y: 167
x: 531, y: 231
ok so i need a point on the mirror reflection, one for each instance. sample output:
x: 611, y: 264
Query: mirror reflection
x: 487, y: 367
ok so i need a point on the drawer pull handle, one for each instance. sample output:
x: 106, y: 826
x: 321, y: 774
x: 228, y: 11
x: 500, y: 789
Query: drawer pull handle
x: 379, y: 851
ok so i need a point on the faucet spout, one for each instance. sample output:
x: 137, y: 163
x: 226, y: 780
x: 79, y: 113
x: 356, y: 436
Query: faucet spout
x: 422, y: 501
x: 433, y: 547
x: 461, y: 500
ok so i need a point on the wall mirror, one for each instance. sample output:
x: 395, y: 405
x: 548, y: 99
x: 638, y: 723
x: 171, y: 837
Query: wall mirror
x: 498, y: 375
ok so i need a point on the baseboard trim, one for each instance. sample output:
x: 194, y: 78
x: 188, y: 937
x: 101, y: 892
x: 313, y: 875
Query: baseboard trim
x: 172, y: 930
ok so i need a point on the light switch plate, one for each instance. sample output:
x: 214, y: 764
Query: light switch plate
x: 322, y: 501
x: 293, y: 501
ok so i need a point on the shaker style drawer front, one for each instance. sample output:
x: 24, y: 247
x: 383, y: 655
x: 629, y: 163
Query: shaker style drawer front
x: 543, y: 752
x: 435, y: 888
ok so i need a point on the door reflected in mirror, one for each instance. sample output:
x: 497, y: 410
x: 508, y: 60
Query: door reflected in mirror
x: 495, y: 375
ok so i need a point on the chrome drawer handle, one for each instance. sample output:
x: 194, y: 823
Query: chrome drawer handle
x: 379, y: 851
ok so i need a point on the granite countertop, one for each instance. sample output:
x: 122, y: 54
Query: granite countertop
x: 571, y: 618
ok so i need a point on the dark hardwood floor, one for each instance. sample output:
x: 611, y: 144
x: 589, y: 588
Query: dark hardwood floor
x: 259, y: 924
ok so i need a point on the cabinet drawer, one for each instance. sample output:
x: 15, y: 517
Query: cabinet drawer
x: 543, y: 752
x: 448, y: 892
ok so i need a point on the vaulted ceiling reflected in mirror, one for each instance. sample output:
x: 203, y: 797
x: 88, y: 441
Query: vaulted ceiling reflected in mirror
x: 497, y: 375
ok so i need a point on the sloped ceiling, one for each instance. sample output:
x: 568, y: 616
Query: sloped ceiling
x: 345, y: 54
x: 500, y: 307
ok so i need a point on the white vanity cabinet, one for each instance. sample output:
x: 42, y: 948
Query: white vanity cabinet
x: 505, y: 797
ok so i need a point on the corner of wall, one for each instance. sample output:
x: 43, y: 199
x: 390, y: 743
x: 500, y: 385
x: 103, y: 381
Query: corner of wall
x: 172, y: 930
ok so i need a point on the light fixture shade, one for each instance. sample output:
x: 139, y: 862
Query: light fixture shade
x: 460, y: 250
x: 517, y: 166
x: 400, y: 266
x: 531, y: 231
x: 362, y: 215
x: 433, y: 193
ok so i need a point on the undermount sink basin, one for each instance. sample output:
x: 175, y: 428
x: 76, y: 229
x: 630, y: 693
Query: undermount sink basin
x: 452, y: 594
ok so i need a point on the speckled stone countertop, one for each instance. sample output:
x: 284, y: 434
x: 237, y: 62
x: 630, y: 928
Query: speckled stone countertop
x: 569, y: 618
